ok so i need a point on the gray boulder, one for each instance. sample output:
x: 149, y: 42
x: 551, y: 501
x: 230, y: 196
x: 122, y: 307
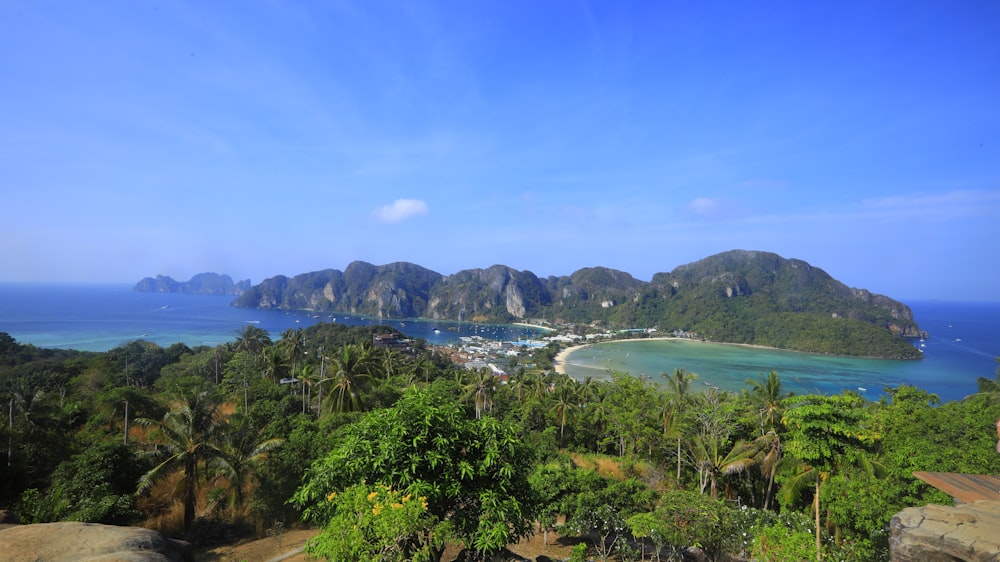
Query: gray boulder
x: 88, y: 542
x: 934, y: 533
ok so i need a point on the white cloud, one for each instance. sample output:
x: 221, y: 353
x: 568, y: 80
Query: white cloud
x: 708, y: 208
x: 400, y: 210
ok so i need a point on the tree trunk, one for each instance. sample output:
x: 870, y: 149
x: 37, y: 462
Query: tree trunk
x: 10, y: 438
x: 190, y: 493
x: 819, y: 555
x: 770, y: 485
x: 125, y: 438
x: 678, y: 458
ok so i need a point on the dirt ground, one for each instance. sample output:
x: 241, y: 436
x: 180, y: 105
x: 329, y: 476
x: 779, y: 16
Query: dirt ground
x: 288, y: 547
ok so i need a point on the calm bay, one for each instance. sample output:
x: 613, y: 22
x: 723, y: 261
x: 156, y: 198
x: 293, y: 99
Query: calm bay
x: 963, y: 345
x: 964, y: 342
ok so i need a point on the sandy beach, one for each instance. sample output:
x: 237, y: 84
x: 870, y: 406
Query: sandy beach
x: 559, y: 362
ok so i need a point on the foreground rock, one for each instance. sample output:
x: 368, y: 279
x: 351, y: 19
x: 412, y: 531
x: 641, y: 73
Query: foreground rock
x: 934, y: 533
x: 91, y: 542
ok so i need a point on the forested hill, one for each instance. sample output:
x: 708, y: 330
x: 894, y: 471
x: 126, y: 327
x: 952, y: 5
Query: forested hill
x: 737, y: 296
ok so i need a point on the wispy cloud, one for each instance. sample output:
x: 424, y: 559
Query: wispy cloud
x: 713, y: 208
x: 950, y: 205
x: 400, y: 210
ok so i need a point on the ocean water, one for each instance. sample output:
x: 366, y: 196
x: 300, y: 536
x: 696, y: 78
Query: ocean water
x: 964, y: 342
x: 102, y: 317
x: 963, y: 345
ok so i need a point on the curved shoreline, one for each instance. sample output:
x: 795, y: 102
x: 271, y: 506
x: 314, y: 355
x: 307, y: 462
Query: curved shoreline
x: 560, y: 360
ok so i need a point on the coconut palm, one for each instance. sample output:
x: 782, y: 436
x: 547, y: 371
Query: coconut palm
x: 239, y: 453
x: 186, y: 435
x: 480, y: 387
x: 273, y: 363
x: 679, y: 389
x: 252, y: 340
x: 348, y: 370
x: 766, y: 393
x: 566, y: 405
x: 713, y: 461
x: 679, y: 384
x: 769, y: 459
x: 293, y: 344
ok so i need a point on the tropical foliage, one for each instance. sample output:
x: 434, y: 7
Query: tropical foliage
x: 393, y: 455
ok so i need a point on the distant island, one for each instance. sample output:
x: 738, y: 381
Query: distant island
x: 740, y: 296
x: 202, y: 284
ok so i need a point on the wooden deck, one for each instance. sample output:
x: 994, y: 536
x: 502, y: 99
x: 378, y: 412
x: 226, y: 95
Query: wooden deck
x: 965, y: 488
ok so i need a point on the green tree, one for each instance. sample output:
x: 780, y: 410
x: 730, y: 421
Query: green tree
x: 679, y: 389
x: 373, y: 523
x: 348, y: 371
x: 94, y: 486
x: 293, y: 344
x: 473, y: 473
x: 766, y: 394
x: 566, y: 406
x: 824, y: 432
x: 239, y: 452
x: 186, y: 436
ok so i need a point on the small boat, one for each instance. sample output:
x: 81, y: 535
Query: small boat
x: 862, y: 389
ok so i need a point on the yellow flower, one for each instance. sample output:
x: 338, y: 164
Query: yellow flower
x: 330, y: 497
x: 406, y: 498
x: 372, y: 496
x: 397, y: 506
x: 377, y: 509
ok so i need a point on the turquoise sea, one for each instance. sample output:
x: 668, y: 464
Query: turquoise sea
x: 963, y: 345
x: 964, y: 342
x: 102, y: 317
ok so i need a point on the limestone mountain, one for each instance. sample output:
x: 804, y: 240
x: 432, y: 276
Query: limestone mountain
x: 737, y: 296
x: 202, y: 283
x: 397, y: 290
x: 484, y: 295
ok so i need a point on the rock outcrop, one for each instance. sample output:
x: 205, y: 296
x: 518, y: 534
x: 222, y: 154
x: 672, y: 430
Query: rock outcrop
x: 739, y: 296
x: 200, y: 284
x: 68, y: 542
x: 935, y: 533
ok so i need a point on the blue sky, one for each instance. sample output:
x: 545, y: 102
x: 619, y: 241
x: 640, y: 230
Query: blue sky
x: 263, y: 138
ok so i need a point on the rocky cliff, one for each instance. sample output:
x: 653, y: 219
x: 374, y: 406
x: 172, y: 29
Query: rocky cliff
x: 738, y: 296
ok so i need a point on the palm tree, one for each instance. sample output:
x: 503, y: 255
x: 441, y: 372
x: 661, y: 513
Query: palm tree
x: 252, y: 340
x: 480, y: 388
x: 567, y: 405
x: 670, y: 421
x: 766, y: 394
x: 186, y: 434
x: 273, y: 363
x: 239, y: 453
x: 679, y: 387
x: 769, y: 458
x: 679, y: 384
x: 348, y: 370
x: 307, y: 377
x: 293, y: 343
x: 713, y: 461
